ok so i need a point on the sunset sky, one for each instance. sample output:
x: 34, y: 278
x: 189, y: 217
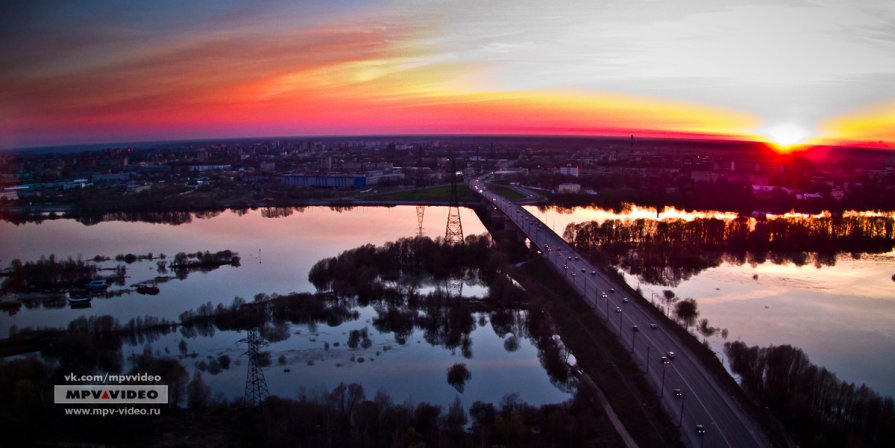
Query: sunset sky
x: 109, y: 71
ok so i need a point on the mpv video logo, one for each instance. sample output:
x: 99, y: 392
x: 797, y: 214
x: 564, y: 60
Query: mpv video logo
x: 152, y: 394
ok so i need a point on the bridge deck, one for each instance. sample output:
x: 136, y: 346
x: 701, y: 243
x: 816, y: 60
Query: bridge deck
x: 704, y: 401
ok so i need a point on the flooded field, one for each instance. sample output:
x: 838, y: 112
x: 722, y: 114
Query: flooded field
x: 838, y: 306
x: 277, y: 250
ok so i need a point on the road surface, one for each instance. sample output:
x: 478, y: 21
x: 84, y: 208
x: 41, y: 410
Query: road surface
x: 684, y: 385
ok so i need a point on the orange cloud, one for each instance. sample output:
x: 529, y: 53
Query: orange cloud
x: 348, y: 80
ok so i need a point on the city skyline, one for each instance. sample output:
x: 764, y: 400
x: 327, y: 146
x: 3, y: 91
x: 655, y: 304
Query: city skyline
x: 785, y: 72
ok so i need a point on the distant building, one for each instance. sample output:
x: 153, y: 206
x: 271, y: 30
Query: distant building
x: 11, y: 194
x: 321, y: 181
x: 382, y: 177
x: 268, y: 167
x: 116, y: 177
x: 569, y: 188
x: 568, y: 171
x: 203, y: 168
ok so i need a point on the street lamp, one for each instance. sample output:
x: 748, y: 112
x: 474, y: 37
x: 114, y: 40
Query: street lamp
x: 665, y: 362
x: 634, y: 330
x: 681, y: 418
x: 648, y: 347
x: 619, y: 311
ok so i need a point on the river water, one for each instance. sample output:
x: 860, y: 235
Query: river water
x: 276, y: 255
x: 842, y: 316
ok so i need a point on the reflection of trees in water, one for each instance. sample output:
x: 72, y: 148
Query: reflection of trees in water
x: 667, y: 252
x: 686, y: 311
x: 279, y: 212
x: 367, y: 270
x: 386, y: 277
x: 458, y: 375
x: 815, y: 404
x: 172, y: 217
x: 444, y: 320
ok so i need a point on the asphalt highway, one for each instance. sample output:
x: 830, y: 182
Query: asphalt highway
x: 689, y: 393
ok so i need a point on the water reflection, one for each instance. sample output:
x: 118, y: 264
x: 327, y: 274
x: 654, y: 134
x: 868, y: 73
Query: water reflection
x: 276, y: 253
x: 667, y: 251
x: 401, y: 339
x: 838, y: 303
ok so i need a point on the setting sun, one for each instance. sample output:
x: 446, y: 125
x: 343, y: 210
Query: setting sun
x: 787, y: 135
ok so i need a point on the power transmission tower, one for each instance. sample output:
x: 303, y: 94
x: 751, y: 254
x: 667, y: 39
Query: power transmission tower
x: 420, y: 212
x: 453, y: 232
x: 256, y: 385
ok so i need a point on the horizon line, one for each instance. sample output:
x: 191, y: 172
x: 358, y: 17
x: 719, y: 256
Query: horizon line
x: 682, y: 136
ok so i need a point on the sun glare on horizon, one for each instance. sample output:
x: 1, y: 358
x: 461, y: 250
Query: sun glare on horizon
x: 787, y: 135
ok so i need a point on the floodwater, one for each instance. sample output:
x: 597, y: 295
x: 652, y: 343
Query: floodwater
x: 276, y: 256
x: 842, y: 316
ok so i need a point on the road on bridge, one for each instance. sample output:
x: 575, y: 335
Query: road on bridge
x: 691, y: 396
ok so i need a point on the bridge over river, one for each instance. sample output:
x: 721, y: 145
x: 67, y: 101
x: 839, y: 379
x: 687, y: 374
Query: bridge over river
x: 690, y: 394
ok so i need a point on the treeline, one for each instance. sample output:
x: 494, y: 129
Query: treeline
x: 363, y: 270
x: 345, y: 417
x: 47, y: 273
x: 818, y: 408
x: 873, y: 234
x: 669, y: 251
x: 51, y: 273
x: 205, y: 259
x: 295, y: 308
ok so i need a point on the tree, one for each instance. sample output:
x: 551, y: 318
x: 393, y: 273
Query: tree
x: 198, y: 393
x: 686, y: 311
x: 458, y: 375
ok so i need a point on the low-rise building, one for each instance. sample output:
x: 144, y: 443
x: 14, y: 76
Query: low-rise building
x: 325, y: 181
x: 569, y: 188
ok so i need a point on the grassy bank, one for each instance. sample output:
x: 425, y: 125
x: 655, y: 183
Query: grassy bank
x: 506, y: 192
x: 707, y: 358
